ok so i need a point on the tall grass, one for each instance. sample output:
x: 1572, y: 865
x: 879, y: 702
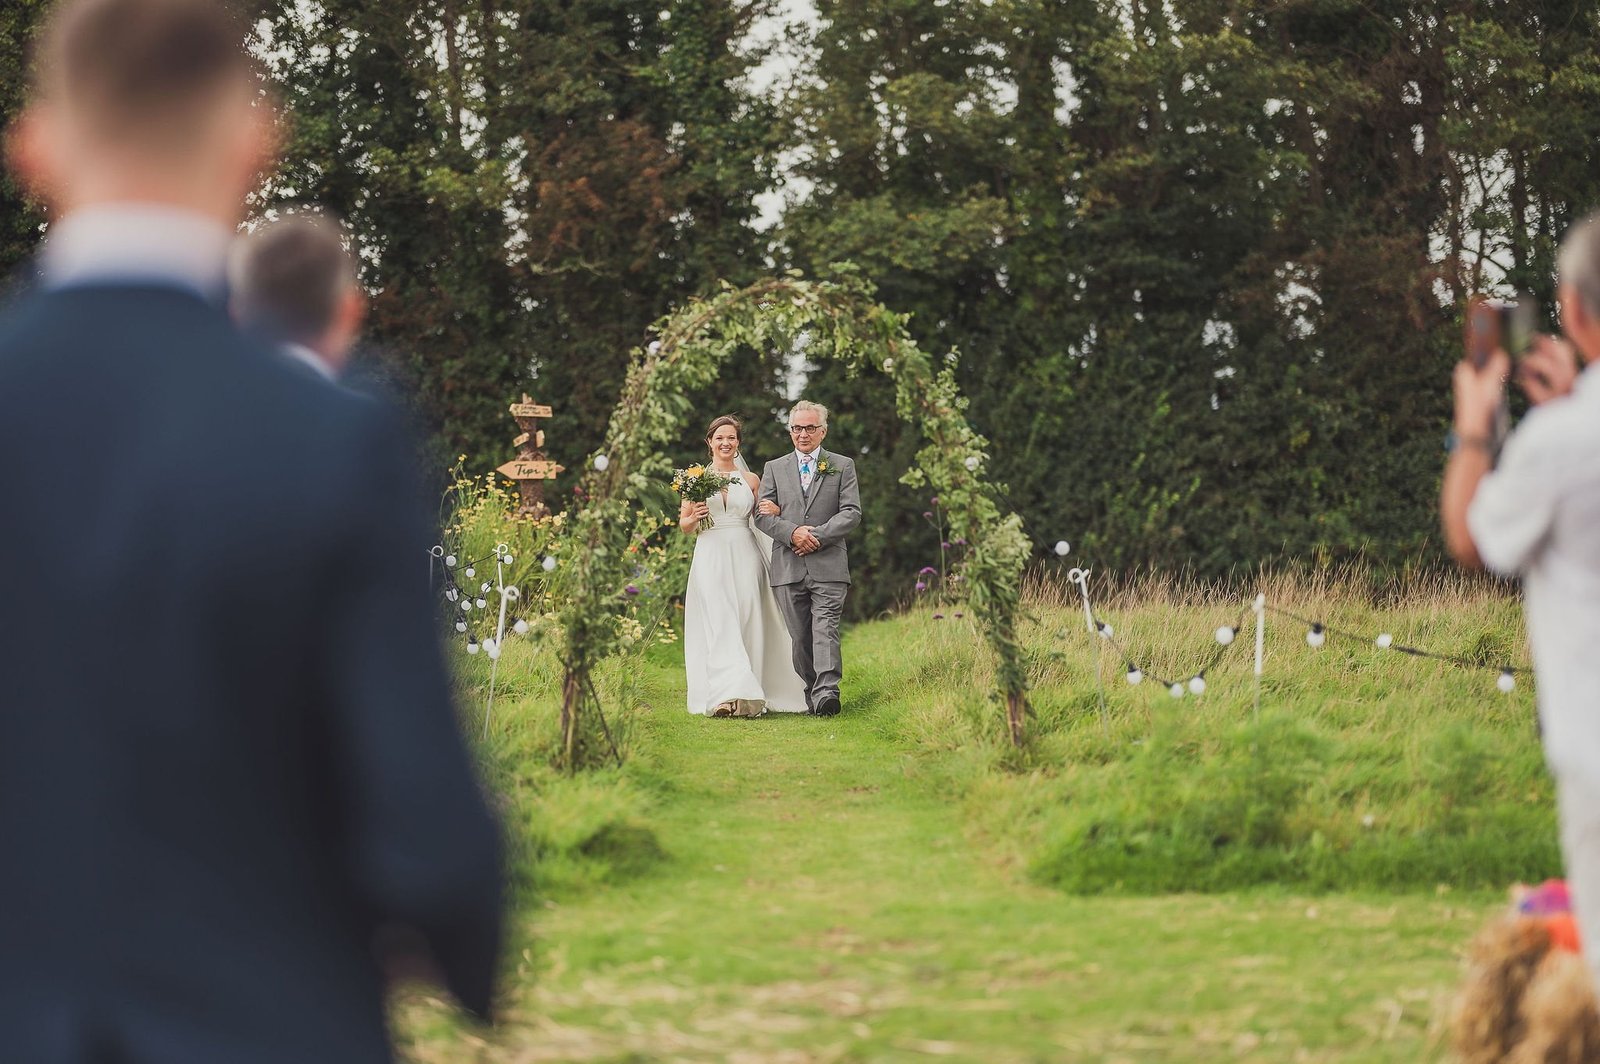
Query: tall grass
x: 1362, y: 768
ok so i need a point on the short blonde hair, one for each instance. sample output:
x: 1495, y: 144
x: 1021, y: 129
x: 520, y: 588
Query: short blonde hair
x: 142, y: 72
x: 815, y: 408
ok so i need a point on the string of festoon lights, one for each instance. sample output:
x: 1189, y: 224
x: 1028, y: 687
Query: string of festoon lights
x: 1316, y: 635
x: 461, y: 601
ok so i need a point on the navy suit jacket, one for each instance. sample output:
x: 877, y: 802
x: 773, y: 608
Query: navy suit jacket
x: 228, y: 757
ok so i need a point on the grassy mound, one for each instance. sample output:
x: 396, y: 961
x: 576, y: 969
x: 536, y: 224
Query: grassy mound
x: 1362, y: 768
x: 567, y: 834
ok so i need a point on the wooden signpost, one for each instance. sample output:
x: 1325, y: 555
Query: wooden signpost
x: 530, y: 469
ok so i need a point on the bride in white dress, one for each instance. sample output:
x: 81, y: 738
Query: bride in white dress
x: 735, y: 645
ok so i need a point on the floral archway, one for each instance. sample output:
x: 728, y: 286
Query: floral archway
x: 839, y: 321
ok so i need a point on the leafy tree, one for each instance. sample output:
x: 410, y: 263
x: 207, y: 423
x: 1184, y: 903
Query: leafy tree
x: 1203, y: 260
x: 534, y: 182
x: 19, y: 222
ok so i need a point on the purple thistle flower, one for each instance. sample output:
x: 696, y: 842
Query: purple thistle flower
x: 945, y: 545
x: 630, y: 590
x: 938, y: 616
x: 927, y: 513
x: 927, y: 570
x: 934, y: 501
x: 921, y: 586
x: 958, y: 614
x: 961, y: 543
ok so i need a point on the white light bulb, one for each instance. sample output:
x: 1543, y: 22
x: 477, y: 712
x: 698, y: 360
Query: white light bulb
x: 973, y: 462
x: 655, y: 347
x: 1198, y: 685
x: 507, y: 560
x: 461, y: 626
x: 1225, y: 635
x: 450, y: 560
x: 466, y: 605
x: 1106, y: 631
x: 451, y: 594
x: 1063, y: 548
x: 521, y: 627
x: 888, y: 365
x: 549, y: 565
x: 602, y: 463
x: 484, y: 587
x: 1507, y: 682
x: 472, y: 648
x: 1316, y: 637
x: 491, y: 648
x: 1176, y: 690
x: 1135, y: 677
x: 471, y: 571
x: 481, y: 603
x: 1385, y: 641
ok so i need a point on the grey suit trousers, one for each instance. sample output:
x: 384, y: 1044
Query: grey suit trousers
x: 812, y: 609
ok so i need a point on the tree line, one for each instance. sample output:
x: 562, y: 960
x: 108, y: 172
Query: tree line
x: 1201, y: 262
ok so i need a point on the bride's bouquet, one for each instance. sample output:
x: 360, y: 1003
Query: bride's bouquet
x: 697, y: 484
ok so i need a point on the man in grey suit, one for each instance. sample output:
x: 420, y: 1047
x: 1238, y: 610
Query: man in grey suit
x: 810, y: 502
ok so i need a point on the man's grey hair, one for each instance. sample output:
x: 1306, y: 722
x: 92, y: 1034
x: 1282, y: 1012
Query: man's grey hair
x: 815, y: 408
x: 288, y: 276
x: 1579, y: 261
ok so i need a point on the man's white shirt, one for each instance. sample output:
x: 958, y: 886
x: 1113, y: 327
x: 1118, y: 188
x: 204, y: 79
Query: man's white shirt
x: 808, y: 468
x: 122, y: 243
x: 1537, y: 515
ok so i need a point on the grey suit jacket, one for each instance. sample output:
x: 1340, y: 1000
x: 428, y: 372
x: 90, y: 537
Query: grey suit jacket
x: 832, y: 508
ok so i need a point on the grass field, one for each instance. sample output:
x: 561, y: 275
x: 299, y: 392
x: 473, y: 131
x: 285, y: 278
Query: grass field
x: 1166, y: 881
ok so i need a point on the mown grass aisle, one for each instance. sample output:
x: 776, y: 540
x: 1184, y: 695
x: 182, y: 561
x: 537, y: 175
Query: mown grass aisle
x: 822, y: 894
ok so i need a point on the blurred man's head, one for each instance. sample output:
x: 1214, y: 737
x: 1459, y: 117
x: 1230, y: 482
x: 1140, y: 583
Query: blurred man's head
x: 1578, y: 270
x: 294, y: 281
x: 143, y: 100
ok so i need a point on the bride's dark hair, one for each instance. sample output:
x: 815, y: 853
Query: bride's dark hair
x: 725, y: 419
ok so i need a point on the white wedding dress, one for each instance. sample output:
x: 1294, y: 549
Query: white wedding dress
x: 735, y: 644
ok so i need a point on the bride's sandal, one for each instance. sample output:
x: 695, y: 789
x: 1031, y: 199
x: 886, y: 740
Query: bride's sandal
x: 749, y: 707
x: 726, y: 709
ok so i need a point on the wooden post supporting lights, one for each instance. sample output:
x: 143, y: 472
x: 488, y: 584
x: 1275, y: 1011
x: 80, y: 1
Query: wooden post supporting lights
x: 530, y: 469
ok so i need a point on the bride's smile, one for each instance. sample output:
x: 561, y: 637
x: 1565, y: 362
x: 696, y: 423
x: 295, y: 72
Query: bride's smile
x: 725, y: 448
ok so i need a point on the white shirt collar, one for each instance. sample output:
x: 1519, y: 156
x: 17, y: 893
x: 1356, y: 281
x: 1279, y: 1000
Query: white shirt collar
x: 812, y: 457
x: 137, y: 243
x: 301, y: 353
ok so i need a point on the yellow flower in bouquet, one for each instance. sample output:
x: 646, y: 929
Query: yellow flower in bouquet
x: 698, y: 484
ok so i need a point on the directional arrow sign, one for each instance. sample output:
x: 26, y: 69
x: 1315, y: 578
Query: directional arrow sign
x: 520, y: 440
x: 520, y: 470
x: 529, y: 410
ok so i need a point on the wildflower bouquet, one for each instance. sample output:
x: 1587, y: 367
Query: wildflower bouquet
x: 698, y: 484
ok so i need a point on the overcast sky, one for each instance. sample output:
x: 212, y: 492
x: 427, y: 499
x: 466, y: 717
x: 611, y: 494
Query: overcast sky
x: 770, y: 78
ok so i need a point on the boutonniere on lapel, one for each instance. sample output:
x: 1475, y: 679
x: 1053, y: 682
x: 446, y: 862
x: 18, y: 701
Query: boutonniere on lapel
x: 825, y: 468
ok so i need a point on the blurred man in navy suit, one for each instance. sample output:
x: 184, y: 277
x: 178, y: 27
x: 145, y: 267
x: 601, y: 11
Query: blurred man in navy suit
x: 233, y: 794
x: 293, y: 284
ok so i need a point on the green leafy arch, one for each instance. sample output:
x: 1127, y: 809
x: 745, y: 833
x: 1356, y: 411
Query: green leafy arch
x: 839, y: 321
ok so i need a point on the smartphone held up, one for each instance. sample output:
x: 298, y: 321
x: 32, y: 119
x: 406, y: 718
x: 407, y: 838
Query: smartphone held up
x: 1506, y: 324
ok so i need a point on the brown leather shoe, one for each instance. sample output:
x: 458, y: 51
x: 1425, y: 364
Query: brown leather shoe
x: 726, y: 709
